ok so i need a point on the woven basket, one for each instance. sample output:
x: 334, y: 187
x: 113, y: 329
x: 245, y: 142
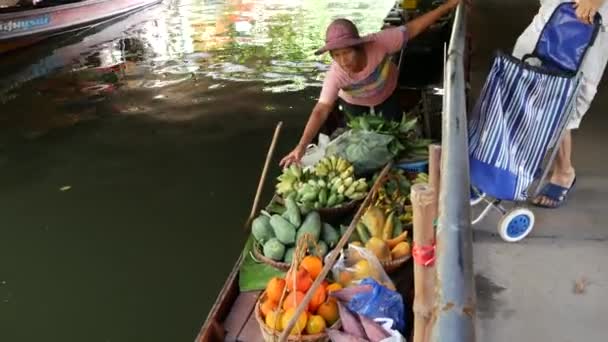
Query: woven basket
x: 393, y: 265
x: 271, y: 335
x: 257, y: 252
x: 331, y: 215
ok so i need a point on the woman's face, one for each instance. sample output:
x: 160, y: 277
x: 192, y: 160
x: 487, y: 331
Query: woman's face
x: 347, y: 58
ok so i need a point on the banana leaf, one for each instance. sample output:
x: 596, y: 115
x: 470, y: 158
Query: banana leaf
x: 254, y: 275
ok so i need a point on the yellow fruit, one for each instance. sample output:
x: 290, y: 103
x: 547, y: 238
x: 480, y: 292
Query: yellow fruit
x: 329, y: 312
x: 357, y: 243
x: 300, y: 323
x: 274, y: 319
x: 374, y: 219
x: 344, y: 278
x: 394, y: 241
x: 333, y: 287
x: 363, y: 269
x: 402, y: 249
x: 387, y: 230
x: 315, y: 325
x: 379, y: 248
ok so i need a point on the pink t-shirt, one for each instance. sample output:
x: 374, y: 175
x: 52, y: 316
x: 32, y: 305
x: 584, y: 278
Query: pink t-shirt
x: 376, y: 82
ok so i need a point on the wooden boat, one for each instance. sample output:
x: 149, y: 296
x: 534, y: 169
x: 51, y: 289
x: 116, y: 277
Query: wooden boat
x: 23, y: 28
x: 232, y: 317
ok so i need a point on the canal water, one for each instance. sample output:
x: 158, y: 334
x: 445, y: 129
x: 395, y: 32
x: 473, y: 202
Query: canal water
x: 129, y: 157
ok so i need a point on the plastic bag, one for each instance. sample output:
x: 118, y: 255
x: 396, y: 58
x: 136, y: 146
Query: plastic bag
x: 387, y: 324
x: 357, y: 263
x: 380, y: 302
x: 367, y: 151
x: 314, y: 153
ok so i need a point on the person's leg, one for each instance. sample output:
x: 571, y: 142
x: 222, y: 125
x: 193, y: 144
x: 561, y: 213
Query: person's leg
x: 563, y: 171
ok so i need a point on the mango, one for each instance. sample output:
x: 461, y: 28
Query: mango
x: 380, y: 248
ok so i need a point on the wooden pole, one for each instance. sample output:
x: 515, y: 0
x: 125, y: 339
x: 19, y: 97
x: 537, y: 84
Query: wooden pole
x: 435, y: 168
x: 256, y: 201
x: 334, y: 254
x: 424, y: 205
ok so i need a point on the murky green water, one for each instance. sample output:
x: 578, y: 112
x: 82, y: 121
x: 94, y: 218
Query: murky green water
x: 159, y: 125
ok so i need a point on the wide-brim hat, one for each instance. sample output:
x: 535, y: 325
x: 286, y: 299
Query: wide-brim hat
x: 342, y: 33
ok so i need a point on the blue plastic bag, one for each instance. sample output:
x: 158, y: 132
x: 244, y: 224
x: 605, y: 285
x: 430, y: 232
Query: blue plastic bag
x: 379, y: 303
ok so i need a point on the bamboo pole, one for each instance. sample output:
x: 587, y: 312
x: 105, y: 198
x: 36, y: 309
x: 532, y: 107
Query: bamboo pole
x: 334, y: 254
x: 258, y: 193
x: 435, y: 168
x: 424, y: 205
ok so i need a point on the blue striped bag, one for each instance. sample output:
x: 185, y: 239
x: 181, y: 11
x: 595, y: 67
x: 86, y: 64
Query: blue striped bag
x: 519, y: 115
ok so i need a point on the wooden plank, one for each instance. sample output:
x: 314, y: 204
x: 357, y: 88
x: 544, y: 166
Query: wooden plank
x: 239, y: 314
x: 251, y: 331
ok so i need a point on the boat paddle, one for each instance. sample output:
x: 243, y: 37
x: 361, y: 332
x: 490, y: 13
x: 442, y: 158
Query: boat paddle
x: 258, y: 193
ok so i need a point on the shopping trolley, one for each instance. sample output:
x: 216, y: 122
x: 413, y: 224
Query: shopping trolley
x: 520, y: 119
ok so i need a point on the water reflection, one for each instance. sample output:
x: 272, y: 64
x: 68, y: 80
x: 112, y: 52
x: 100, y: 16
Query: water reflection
x: 269, y: 41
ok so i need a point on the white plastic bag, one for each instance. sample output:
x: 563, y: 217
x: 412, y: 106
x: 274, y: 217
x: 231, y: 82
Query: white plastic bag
x: 314, y: 153
x: 357, y: 263
x: 387, y: 324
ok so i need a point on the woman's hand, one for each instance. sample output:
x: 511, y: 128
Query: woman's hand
x: 586, y: 9
x: 293, y: 157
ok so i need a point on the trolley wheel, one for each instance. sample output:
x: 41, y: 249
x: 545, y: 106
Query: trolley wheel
x: 516, y: 224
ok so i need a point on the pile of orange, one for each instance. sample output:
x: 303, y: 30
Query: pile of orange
x: 322, y: 310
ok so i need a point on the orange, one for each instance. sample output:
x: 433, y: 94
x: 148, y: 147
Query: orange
x: 293, y: 299
x: 315, y: 325
x: 313, y: 265
x: 267, y: 306
x: 274, y: 320
x: 317, y: 299
x: 274, y: 289
x: 329, y: 312
x: 300, y: 323
x: 333, y: 287
x: 324, y: 283
x: 344, y: 278
x: 303, y: 280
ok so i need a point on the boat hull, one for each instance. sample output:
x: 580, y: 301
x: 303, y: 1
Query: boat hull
x: 25, y: 28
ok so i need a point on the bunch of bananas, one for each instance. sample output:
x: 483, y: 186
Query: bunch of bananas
x: 393, y: 195
x: 421, y: 178
x: 291, y: 179
x: 329, y: 184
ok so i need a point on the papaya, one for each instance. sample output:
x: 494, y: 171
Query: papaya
x: 362, y: 231
x: 311, y: 225
x: 292, y: 212
x: 398, y: 227
x: 321, y: 250
x: 261, y: 229
x: 329, y: 235
x: 284, y: 231
x: 353, y: 237
x: 274, y: 249
x: 289, y: 255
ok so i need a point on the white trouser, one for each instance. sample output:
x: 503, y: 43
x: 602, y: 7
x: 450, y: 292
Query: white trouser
x: 593, y: 65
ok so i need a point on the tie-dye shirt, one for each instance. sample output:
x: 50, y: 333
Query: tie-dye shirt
x: 376, y: 82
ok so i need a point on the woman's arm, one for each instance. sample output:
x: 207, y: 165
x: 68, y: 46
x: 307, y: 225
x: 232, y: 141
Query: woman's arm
x: 421, y: 23
x: 317, y: 117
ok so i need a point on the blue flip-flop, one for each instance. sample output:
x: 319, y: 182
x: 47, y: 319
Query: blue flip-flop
x: 555, y: 193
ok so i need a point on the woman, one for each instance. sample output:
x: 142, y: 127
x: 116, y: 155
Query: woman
x: 563, y: 175
x: 362, y: 74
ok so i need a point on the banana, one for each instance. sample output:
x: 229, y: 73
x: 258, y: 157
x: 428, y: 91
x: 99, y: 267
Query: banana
x: 341, y: 189
x: 348, y: 181
x: 361, y: 185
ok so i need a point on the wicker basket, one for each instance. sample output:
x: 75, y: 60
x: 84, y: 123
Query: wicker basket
x: 271, y: 335
x: 257, y: 253
x: 332, y: 215
x: 393, y: 265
